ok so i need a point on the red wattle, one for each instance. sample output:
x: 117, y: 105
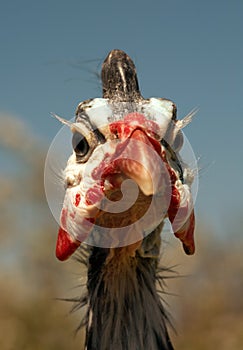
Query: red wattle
x: 65, y: 246
x: 186, y: 234
x: 77, y: 199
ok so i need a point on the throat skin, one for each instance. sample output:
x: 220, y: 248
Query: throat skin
x: 124, y: 309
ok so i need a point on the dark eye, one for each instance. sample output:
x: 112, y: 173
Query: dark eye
x: 80, y: 145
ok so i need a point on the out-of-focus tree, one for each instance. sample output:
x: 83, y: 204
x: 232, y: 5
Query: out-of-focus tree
x: 31, y: 279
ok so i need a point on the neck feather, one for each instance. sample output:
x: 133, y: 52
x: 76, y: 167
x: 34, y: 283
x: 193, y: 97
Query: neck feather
x: 125, y: 311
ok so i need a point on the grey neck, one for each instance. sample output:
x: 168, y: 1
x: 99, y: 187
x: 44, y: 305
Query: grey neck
x: 125, y: 311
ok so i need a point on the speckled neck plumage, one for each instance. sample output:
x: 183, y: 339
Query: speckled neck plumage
x: 125, y: 311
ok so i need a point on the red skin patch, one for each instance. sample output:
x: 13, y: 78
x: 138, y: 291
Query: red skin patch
x: 65, y: 246
x: 64, y: 217
x: 94, y: 195
x: 132, y: 121
x: 77, y: 199
x: 174, y: 203
x: 186, y: 234
x: 72, y: 215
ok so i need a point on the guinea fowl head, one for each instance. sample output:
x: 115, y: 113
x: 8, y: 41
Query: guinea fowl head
x: 125, y: 175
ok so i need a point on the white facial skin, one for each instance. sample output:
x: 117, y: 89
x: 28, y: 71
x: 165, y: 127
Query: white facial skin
x: 85, y: 193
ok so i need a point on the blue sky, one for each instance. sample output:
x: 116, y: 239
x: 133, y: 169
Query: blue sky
x: 188, y: 51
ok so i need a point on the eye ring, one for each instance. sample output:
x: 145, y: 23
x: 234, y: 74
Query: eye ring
x: 81, y: 147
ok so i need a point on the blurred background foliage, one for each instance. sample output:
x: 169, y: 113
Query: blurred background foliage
x: 207, y: 309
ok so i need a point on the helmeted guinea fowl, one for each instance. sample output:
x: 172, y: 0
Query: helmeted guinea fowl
x: 124, y: 178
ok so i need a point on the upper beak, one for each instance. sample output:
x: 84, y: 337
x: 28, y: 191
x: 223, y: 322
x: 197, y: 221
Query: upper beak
x: 138, y: 159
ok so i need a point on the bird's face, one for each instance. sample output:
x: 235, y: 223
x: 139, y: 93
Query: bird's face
x: 125, y: 176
